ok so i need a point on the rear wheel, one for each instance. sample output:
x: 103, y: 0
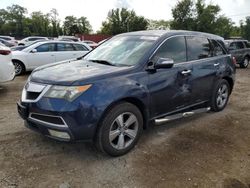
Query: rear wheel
x: 245, y: 62
x: 19, y: 67
x: 220, y: 96
x: 120, y: 129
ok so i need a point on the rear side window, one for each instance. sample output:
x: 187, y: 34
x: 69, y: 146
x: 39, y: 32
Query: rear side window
x: 217, y: 49
x: 198, y: 48
x: 247, y: 44
x: 79, y: 47
x: 236, y: 45
x: 65, y: 47
x: 174, y: 48
x: 46, y: 47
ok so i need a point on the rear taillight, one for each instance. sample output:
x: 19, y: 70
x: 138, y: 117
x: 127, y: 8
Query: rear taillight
x: 234, y: 60
x: 5, y: 52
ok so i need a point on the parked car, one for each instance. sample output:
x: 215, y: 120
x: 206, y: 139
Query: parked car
x: 128, y: 82
x: 11, y: 40
x: 7, y: 71
x: 240, y: 49
x: 27, y: 41
x: 7, y: 43
x: 90, y: 43
x: 69, y: 38
x: 19, y: 48
x: 47, y: 52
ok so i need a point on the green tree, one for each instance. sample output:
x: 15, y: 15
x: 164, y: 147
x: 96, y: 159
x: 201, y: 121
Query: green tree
x: 40, y: 24
x: 55, y: 22
x: 84, y: 25
x: 246, y: 29
x: 158, y: 24
x: 183, y: 14
x: 70, y: 25
x: 201, y: 17
x: 123, y: 20
x: 15, y: 19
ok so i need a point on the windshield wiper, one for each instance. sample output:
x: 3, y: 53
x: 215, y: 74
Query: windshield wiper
x: 102, y: 62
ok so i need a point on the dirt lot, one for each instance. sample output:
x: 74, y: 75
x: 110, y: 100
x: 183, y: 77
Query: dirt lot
x: 208, y: 150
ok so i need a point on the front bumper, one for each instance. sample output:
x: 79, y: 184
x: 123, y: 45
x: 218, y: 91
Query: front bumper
x: 77, y: 124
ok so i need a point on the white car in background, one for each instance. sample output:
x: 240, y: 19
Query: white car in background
x: 11, y: 40
x: 28, y: 40
x: 43, y: 53
x: 92, y: 44
x: 7, y: 70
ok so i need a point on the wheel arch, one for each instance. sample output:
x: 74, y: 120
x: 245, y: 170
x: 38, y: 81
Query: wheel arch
x: 19, y: 61
x: 230, y: 82
x: 133, y: 100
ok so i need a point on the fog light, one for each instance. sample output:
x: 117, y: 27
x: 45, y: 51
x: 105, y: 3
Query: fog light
x: 59, y: 134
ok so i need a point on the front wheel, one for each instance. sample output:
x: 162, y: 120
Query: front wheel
x: 220, y: 96
x: 120, y: 129
x: 245, y: 63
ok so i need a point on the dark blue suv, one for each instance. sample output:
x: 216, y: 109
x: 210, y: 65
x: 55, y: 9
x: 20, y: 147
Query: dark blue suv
x: 130, y: 81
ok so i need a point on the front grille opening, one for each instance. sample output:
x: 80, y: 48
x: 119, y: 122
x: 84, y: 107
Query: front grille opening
x: 32, y: 95
x: 48, y: 119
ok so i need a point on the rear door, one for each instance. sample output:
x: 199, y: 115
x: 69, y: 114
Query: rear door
x: 200, y: 54
x: 45, y: 54
x: 237, y: 50
x: 170, y: 89
x: 80, y: 50
x: 65, y: 51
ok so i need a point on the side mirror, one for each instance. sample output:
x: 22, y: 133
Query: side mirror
x: 164, y: 63
x: 33, y: 51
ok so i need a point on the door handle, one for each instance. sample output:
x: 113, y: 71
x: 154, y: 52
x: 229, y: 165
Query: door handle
x: 216, y: 64
x: 52, y: 55
x: 185, y: 72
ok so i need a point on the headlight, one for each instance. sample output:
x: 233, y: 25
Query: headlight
x: 67, y: 93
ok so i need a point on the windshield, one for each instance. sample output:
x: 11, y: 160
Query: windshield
x: 122, y: 50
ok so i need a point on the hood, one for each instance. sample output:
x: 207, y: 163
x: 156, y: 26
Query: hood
x: 66, y: 73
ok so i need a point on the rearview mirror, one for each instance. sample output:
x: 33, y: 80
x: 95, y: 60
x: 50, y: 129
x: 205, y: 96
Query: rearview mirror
x: 164, y: 63
x: 33, y: 51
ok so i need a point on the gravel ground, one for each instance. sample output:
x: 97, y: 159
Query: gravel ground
x: 207, y: 150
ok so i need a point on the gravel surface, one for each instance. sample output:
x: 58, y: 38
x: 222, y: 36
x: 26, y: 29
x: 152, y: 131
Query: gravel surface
x: 207, y: 150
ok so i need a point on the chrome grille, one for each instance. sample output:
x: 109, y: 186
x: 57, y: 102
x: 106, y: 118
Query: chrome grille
x: 32, y: 92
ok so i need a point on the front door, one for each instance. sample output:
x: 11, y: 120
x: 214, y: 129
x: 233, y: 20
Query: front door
x: 44, y: 54
x: 170, y: 89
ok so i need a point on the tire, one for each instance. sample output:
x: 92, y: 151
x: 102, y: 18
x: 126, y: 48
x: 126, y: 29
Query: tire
x: 220, y: 96
x: 19, y: 67
x: 245, y: 62
x: 113, y: 136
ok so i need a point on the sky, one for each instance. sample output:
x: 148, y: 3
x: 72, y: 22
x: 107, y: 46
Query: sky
x: 96, y: 10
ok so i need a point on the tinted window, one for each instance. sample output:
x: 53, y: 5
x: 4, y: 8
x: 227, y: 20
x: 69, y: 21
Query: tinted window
x: 5, y: 38
x: 247, y: 44
x: 34, y: 39
x: 65, y: 47
x: 217, y: 49
x: 174, y: 48
x: 46, y: 48
x: 198, y: 48
x: 79, y: 47
x: 236, y: 45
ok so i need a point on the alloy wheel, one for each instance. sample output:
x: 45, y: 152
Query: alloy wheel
x: 222, y: 96
x: 18, y: 68
x: 123, y: 131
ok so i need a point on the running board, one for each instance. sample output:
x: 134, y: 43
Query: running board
x: 181, y: 115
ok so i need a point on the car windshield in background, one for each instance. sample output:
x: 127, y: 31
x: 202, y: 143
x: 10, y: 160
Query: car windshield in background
x: 122, y: 51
